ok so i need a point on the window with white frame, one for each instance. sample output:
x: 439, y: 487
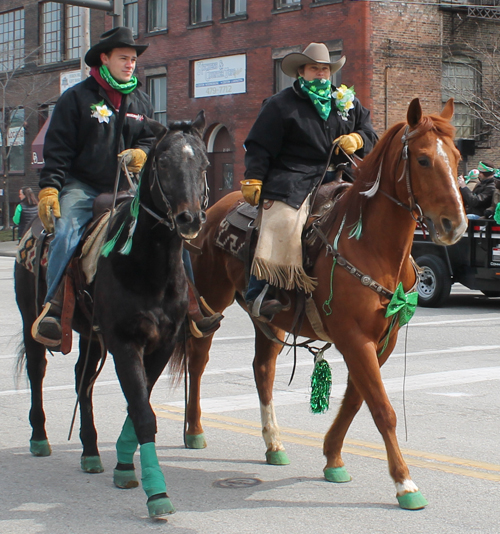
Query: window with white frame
x: 157, y: 89
x: 15, y: 141
x: 279, y: 4
x: 157, y: 15
x: 461, y: 80
x: 201, y: 11
x: 11, y: 39
x: 131, y: 15
x: 60, y: 32
x: 51, y: 32
x: 233, y: 8
x: 73, y: 25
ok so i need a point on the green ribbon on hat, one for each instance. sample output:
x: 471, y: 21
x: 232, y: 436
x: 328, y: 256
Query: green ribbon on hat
x: 484, y: 168
x: 403, y: 303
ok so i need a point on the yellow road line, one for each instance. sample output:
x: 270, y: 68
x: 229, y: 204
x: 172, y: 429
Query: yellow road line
x: 425, y: 460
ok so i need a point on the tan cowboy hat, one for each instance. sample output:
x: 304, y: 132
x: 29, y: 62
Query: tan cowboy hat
x: 313, y: 53
x: 120, y: 37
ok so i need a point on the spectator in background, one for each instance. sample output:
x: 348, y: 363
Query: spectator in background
x: 472, y: 179
x: 490, y: 212
x: 479, y: 200
x: 26, y: 211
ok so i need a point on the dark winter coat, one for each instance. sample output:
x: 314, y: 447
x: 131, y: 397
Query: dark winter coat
x: 288, y: 146
x: 478, y: 200
x: 28, y: 213
x: 78, y: 145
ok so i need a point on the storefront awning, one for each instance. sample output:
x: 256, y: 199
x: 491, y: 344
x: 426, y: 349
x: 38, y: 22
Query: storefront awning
x: 37, y: 147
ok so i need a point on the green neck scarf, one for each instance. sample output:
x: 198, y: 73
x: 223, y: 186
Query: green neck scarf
x: 319, y: 91
x: 124, y: 88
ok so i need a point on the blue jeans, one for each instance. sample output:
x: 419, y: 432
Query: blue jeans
x: 75, y: 199
x: 472, y: 216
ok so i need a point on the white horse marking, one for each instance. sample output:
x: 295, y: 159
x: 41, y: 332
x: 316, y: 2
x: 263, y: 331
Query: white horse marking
x: 441, y: 152
x: 188, y: 151
x: 270, y: 429
x: 407, y: 486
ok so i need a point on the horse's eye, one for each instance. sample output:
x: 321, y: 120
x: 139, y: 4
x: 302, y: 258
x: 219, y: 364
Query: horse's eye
x: 424, y: 161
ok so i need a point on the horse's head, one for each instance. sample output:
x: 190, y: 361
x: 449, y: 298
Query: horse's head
x: 431, y: 172
x: 178, y: 175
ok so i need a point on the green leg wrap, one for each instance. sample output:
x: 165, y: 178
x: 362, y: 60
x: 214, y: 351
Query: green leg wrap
x: 127, y: 443
x: 337, y: 474
x: 40, y: 448
x: 277, y: 458
x: 153, y: 480
x: 195, y: 441
x: 91, y: 464
x: 412, y: 501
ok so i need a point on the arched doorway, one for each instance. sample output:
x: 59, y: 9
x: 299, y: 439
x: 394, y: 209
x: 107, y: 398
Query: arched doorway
x: 220, y: 174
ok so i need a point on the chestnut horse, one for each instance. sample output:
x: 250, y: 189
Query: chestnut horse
x: 411, y: 173
x: 140, y: 299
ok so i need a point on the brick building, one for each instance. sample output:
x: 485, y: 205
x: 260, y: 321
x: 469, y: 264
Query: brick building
x: 223, y: 56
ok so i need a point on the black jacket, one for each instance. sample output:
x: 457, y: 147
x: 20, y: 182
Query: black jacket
x: 288, y: 146
x: 78, y: 145
x: 478, y: 200
x: 28, y: 213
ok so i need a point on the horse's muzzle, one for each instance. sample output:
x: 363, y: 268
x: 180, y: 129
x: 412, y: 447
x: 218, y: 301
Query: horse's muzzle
x: 445, y: 231
x: 189, y: 224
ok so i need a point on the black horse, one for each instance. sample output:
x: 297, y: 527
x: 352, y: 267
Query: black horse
x: 140, y: 301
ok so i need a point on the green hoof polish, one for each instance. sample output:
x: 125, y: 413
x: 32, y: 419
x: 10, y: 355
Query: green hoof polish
x: 337, y: 474
x: 277, y: 458
x: 195, y: 441
x: 125, y: 479
x: 40, y: 448
x: 159, y: 507
x: 91, y: 464
x: 412, y: 501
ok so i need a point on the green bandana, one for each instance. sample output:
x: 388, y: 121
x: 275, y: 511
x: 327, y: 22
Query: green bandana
x: 319, y: 91
x: 124, y: 88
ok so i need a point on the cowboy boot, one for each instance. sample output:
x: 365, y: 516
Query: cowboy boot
x: 199, y: 324
x: 47, y: 328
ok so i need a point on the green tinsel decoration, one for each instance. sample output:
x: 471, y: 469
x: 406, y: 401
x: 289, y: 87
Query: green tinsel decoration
x: 321, y: 385
x: 110, y: 245
x: 357, y: 228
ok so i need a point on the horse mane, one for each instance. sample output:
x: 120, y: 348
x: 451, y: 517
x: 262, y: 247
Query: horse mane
x: 366, y: 173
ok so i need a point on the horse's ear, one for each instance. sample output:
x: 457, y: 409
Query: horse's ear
x: 199, y: 123
x: 448, y: 110
x: 157, y: 128
x: 414, y: 114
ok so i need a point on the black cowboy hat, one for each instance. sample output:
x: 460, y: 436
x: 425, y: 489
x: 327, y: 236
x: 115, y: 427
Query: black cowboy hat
x: 119, y: 37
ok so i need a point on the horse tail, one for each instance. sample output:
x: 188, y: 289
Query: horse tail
x: 178, y: 361
x: 20, y: 363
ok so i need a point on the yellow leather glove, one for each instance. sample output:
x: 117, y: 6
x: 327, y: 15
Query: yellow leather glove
x: 134, y: 159
x: 48, y: 205
x: 349, y: 143
x: 251, y: 191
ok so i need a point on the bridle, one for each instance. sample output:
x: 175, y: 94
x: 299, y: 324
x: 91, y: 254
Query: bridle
x: 161, y: 202
x: 413, y: 206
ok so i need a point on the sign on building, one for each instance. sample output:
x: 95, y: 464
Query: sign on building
x: 68, y: 79
x: 220, y: 76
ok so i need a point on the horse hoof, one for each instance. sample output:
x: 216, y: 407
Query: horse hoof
x: 40, y: 448
x: 91, y: 464
x: 160, y: 505
x: 125, y: 479
x: 412, y: 501
x: 195, y: 441
x: 277, y: 458
x: 337, y: 474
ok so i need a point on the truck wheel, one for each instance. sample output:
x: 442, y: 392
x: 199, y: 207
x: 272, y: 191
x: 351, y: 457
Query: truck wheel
x: 434, y: 284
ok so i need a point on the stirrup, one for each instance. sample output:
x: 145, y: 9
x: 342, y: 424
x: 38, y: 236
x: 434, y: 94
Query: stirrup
x: 35, y: 334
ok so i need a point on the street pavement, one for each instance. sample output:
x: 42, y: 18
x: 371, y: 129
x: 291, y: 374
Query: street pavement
x: 8, y: 248
x: 442, y: 379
